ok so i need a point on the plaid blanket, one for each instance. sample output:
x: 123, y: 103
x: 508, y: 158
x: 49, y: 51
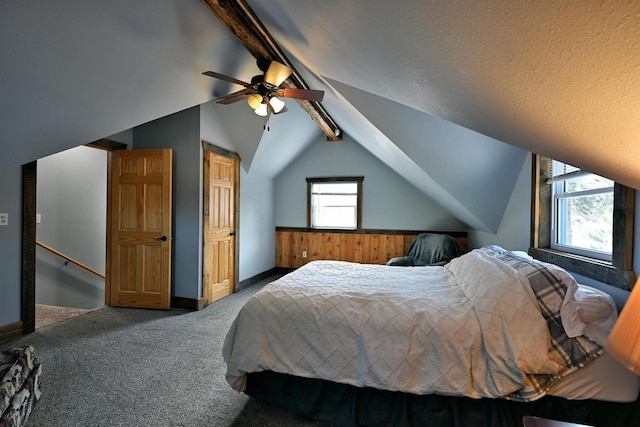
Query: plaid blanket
x: 549, y: 284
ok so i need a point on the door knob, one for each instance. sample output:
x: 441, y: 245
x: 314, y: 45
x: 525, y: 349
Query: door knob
x: 232, y: 233
x: 163, y: 238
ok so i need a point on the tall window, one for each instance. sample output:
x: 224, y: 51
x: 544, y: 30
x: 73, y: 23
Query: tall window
x: 334, y: 202
x: 582, y: 212
x: 582, y: 222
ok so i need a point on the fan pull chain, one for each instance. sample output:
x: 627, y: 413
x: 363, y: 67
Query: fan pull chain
x: 266, y: 124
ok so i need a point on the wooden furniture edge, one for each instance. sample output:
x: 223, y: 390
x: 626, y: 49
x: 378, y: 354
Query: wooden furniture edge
x: 371, y: 231
x: 11, y: 331
x: 595, y: 269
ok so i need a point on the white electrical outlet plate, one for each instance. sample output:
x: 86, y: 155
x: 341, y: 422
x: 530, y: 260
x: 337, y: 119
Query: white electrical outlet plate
x: 304, y: 254
x: 38, y: 218
x: 4, y: 219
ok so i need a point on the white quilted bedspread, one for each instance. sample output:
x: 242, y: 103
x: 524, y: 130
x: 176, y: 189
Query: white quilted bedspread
x: 471, y: 328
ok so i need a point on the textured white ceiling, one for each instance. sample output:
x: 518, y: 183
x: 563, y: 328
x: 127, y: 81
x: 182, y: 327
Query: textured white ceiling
x: 555, y: 77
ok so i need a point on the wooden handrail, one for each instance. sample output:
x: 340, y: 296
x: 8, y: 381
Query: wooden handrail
x: 69, y: 259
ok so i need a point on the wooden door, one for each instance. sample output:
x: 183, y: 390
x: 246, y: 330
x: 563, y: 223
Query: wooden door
x: 220, y: 176
x: 139, y: 242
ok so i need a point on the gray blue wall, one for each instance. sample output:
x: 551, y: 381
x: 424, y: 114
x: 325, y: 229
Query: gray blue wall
x: 389, y: 201
x: 257, y: 236
x: 514, y: 230
x: 72, y: 201
x: 181, y: 132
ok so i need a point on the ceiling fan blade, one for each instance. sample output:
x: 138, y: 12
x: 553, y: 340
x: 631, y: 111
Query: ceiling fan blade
x: 232, y: 100
x: 226, y: 78
x: 277, y: 73
x: 307, y: 94
x: 235, y: 96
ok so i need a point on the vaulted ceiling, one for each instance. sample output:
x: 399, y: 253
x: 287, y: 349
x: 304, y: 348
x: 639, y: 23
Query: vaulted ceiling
x: 451, y: 95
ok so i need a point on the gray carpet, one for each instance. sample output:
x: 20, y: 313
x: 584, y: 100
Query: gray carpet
x: 136, y: 367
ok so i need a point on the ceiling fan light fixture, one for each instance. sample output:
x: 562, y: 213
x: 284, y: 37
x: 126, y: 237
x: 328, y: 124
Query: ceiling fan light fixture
x: 262, y: 91
x: 254, y: 101
x: 277, y: 73
x: 261, y: 110
x: 277, y: 104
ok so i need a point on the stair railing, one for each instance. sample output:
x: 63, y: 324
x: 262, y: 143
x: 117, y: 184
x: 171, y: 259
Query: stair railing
x: 69, y: 259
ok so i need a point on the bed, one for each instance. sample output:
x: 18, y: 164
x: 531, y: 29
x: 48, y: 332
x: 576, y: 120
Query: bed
x: 491, y: 336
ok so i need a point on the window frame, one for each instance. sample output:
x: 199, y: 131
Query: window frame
x: 619, y: 271
x: 336, y: 179
x: 560, y: 195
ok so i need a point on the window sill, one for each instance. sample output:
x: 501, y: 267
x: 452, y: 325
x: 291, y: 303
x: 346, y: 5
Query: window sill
x: 596, y: 269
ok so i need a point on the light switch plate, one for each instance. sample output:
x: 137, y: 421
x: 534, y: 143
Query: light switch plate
x: 4, y: 219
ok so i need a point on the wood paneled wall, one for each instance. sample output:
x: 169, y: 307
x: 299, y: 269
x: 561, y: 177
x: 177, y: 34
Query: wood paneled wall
x: 364, y: 246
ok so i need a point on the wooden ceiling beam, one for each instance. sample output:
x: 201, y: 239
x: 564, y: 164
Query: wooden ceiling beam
x: 242, y: 22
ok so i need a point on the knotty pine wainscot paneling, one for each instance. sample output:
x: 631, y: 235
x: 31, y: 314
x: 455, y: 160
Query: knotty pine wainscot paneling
x: 364, y: 246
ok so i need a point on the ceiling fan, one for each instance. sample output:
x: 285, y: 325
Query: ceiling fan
x: 264, y: 91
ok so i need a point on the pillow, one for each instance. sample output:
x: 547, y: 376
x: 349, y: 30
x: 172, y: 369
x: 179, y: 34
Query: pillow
x: 593, y: 304
x: 522, y: 254
x: 589, y: 308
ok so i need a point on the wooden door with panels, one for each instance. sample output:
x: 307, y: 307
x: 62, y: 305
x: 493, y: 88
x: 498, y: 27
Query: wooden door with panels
x: 139, y: 220
x: 220, y: 197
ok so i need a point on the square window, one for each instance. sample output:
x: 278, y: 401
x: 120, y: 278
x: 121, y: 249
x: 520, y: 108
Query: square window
x: 334, y: 202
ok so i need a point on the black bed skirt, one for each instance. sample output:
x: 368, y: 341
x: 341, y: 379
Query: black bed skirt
x: 347, y: 405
